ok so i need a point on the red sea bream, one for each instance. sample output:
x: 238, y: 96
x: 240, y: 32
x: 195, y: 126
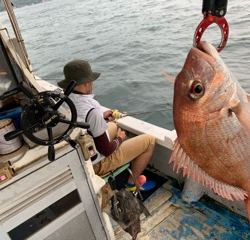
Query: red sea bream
x: 212, y: 120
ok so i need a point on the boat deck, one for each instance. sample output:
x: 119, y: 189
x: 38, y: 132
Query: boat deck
x: 172, y: 218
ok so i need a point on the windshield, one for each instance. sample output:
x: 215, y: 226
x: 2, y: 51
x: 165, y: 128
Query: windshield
x: 8, y: 79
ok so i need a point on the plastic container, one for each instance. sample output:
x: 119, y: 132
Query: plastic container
x: 6, y: 147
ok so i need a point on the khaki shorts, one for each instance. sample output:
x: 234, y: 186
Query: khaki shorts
x: 128, y: 151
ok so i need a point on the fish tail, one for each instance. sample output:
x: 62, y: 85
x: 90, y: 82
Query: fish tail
x: 247, y: 202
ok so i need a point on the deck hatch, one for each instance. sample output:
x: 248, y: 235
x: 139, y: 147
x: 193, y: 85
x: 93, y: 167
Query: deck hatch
x: 8, y: 77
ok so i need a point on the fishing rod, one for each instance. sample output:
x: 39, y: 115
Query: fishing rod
x: 116, y: 114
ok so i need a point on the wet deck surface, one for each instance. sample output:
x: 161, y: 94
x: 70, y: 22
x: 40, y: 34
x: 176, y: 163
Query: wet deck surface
x: 171, y: 218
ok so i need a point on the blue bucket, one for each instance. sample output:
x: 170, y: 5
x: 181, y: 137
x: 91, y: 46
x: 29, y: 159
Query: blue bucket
x: 14, y: 114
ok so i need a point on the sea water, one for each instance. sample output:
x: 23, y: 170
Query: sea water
x: 129, y: 42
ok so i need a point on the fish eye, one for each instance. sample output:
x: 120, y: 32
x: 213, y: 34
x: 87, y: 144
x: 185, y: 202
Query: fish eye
x: 197, y: 90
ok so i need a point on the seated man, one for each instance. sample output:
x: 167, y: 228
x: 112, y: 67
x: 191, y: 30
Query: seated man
x: 109, y: 140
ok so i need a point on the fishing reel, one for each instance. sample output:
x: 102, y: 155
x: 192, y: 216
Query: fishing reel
x: 41, y: 112
x: 213, y: 12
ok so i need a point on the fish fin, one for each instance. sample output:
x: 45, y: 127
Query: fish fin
x: 170, y: 78
x: 247, y: 202
x: 181, y: 159
x: 242, y: 111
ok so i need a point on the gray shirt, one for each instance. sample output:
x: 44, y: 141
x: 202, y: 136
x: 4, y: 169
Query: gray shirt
x: 84, y: 103
x: 97, y: 123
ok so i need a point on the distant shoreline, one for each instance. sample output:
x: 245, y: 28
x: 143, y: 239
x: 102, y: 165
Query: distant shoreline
x: 22, y: 3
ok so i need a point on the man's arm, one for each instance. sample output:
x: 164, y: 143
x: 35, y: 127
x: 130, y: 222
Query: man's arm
x: 98, y: 128
x: 104, y: 146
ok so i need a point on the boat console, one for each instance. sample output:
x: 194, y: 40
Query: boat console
x: 47, y: 188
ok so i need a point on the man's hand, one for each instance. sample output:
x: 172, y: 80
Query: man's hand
x: 121, y: 134
x: 107, y: 115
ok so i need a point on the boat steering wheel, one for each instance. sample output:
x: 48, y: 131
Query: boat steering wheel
x: 42, y: 112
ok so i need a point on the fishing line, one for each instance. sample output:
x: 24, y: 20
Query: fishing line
x: 115, y: 81
x: 165, y: 105
x: 48, y: 79
x: 116, y: 114
x: 145, y: 112
x: 124, y: 113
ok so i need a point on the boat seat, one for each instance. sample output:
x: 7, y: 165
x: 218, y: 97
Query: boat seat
x: 119, y: 170
x: 116, y: 172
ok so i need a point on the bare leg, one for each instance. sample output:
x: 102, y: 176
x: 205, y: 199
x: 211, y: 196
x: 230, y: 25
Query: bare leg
x: 139, y: 164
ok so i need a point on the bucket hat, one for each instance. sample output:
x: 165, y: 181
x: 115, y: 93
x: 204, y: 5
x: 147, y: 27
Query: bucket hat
x: 78, y: 70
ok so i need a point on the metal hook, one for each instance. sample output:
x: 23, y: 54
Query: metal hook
x: 205, y: 23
